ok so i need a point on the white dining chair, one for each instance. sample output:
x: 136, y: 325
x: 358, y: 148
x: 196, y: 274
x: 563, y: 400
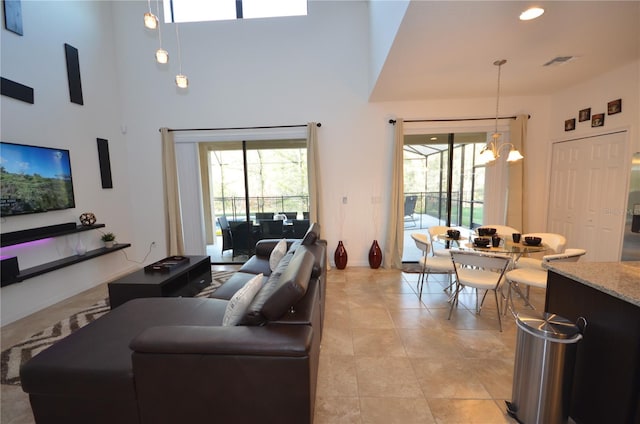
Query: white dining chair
x: 555, y: 242
x: 435, y: 231
x: 536, y: 277
x: 502, y: 230
x: 481, y: 271
x: 431, y: 264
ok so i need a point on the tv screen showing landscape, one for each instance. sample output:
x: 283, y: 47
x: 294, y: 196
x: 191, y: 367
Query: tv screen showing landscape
x: 34, y: 179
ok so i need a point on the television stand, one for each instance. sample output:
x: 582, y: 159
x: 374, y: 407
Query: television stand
x: 185, y: 279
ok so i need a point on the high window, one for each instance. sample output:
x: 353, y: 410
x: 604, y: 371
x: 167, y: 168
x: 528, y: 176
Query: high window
x: 217, y: 10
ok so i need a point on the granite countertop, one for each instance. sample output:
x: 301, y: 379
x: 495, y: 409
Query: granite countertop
x: 619, y: 279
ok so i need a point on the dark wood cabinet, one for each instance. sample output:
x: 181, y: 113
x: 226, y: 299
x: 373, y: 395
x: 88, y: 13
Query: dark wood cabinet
x: 183, y: 280
x: 606, y: 384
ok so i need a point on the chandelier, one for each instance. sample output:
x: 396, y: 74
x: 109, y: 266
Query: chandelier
x: 491, y: 151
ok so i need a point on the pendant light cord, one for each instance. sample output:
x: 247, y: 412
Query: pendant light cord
x: 179, y: 50
x: 158, y: 14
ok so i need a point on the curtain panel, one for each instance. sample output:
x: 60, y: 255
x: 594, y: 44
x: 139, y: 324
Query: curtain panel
x: 392, y: 257
x: 173, y: 215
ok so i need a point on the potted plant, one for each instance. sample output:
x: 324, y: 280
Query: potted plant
x: 108, y: 239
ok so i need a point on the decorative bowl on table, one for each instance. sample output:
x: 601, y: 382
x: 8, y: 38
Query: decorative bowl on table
x: 454, y: 234
x: 486, y: 231
x: 532, y: 241
x: 481, y: 242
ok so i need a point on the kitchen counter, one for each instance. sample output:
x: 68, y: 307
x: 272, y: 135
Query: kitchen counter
x: 606, y: 379
x: 618, y: 279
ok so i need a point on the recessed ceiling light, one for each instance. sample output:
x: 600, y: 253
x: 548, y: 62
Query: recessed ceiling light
x: 531, y: 13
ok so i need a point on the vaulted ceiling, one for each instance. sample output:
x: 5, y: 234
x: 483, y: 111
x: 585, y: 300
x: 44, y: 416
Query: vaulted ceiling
x: 446, y: 49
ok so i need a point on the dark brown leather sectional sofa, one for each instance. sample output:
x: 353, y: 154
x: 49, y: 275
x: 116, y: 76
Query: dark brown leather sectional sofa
x: 169, y: 360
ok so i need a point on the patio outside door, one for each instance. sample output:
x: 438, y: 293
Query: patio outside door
x: 442, y: 172
x: 250, y: 184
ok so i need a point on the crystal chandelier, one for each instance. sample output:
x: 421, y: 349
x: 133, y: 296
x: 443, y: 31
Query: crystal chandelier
x: 491, y: 151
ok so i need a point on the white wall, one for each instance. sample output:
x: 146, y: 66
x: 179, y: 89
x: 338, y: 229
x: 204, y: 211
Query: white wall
x: 241, y: 73
x: 37, y: 60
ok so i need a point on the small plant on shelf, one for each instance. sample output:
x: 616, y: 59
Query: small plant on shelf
x: 108, y: 239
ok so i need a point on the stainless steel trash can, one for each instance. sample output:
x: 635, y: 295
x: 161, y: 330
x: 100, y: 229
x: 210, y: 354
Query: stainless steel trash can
x: 543, y: 370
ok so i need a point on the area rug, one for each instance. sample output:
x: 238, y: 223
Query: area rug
x: 13, y: 357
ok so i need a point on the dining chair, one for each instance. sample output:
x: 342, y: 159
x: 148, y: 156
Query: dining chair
x: 431, y: 264
x: 536, y: 277
x: 434, y: 231
x: 555, y: 242
x: 480, y: 271
x: 501, y: 230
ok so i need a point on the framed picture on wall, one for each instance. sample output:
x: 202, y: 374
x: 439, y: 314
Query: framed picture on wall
x: 570, y: 124
x: 597, y: 120
x: 614, y: 107
x: 584, y: 115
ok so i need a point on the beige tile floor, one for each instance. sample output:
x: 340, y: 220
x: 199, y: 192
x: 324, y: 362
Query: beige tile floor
x: 386, y: 356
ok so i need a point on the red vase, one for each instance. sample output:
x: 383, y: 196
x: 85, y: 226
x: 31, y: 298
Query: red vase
x: 375, y: 255
x: 340, y: 256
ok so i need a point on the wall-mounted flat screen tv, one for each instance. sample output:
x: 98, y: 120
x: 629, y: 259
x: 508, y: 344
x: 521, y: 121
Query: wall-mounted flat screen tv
x: 34, y: 179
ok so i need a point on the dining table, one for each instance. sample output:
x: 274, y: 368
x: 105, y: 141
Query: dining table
x: 506, y: 247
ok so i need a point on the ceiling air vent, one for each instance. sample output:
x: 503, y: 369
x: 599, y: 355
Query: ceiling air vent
x: 559, y: 60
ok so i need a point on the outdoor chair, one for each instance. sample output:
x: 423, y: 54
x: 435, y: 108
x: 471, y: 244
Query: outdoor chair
x: 409, y: 208
x: 271, y: 229
x: 242, y: 237
x: 227, y: 242
x: 300, y: 227
x: 263, y: 215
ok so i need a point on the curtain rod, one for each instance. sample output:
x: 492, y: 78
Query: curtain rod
x: 319, y: 124
x: 393, y: 121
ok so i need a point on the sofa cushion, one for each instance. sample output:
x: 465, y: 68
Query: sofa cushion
x: 277, y: 253
x: 312, y: 234
x: 233, y: 284
x: 237, y: 306
x: 289, y: 287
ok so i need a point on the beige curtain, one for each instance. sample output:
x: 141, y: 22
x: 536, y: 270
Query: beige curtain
x: 313, y: 169
x: 516, y: 208
x: 173, y: 217
x: 392, y: 257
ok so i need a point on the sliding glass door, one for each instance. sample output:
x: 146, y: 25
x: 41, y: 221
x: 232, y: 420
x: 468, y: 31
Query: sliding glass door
x: 255, y: 190
x: 443, y: 175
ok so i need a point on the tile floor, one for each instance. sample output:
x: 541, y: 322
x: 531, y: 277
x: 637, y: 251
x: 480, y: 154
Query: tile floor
x: 386, y: 356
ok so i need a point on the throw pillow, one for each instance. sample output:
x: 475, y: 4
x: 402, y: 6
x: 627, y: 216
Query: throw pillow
x: 241, y: 300
x: 277, y: 253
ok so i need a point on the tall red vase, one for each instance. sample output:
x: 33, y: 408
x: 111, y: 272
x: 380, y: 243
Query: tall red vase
x: 340, y: 256
x: 375, y: 255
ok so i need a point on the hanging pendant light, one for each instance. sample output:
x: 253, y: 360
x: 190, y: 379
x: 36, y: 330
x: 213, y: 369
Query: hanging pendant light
x: 181, y: 80
x: 491, y: 151
x: 162, y: 56
x: 150, y: 20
